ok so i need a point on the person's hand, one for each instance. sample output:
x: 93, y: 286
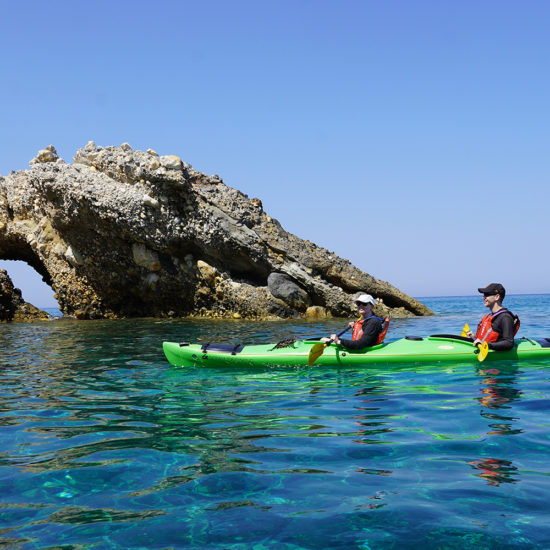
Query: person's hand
x: 333, y: 338
x: 477, y: 341
x: 470, y: 334
x: 351, y: 323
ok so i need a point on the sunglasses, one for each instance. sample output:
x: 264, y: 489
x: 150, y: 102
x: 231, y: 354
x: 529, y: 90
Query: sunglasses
x: 487, y: 294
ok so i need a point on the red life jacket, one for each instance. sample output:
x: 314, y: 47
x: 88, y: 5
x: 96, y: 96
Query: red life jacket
x: 485, y: 331
x: 358, y: 329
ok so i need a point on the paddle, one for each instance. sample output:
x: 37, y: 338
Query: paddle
x: 318, y: 349
x: 482, y: 349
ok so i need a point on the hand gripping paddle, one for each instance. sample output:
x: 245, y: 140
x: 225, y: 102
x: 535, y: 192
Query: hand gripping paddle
x: 318, y: 349
x: 482, y: 349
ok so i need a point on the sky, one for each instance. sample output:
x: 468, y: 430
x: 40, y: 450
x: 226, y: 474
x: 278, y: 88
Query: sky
x: 411, y: 138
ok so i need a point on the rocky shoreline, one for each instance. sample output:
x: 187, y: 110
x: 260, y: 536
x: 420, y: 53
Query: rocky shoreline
x: 12, y: 305
x: 125, y: 233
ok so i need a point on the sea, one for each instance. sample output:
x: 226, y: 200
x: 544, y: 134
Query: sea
x: 104, y: 445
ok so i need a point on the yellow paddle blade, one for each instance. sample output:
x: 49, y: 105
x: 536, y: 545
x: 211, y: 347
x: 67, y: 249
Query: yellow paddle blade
x: 315, y: 352
x: 483, y: 351
x: 465, y: 330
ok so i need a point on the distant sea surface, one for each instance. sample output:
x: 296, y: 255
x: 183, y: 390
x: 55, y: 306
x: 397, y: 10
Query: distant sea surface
x: 104, y: 445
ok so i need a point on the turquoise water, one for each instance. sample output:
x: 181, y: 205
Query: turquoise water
x: 104, y: 445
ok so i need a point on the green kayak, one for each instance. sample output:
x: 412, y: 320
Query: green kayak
x: 439, y: 347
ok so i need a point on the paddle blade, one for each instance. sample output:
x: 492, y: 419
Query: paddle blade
x: 465, y: 330
x: 483, y: 351
x: 315, y: 352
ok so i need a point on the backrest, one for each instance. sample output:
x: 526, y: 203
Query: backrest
x: 385, y: 327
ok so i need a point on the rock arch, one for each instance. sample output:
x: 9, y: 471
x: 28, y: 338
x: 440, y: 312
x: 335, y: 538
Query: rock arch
x: 122, y: 233
x: 17, y: 249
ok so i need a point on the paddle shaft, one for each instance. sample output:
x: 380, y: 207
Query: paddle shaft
x: 338, y: 335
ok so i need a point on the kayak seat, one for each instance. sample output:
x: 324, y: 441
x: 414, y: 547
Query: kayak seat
x: 385, y: 327
x: 453, y: 337
x: 222, y: 348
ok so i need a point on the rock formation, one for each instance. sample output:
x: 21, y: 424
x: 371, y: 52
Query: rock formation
x: 12, y: 305
x: 125, y: 233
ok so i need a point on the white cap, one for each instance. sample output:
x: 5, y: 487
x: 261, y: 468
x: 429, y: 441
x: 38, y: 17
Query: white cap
x: 365, y: 299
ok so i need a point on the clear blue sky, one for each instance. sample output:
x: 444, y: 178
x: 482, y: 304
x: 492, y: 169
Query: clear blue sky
x: 410, y: 137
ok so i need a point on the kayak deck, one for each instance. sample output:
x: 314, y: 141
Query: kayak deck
x: 434, y: 348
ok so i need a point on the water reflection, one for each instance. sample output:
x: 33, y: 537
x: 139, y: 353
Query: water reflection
x: 498, y: 391
x: 494, y: 471
x: 372, y: 422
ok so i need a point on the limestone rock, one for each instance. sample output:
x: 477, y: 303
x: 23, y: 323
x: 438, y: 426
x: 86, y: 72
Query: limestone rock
x: 317, y: 312
x: 284, y: 287
x: 171, y: 162
x: 49, y: 154
x: 207, y: 272
x: 73, y: 257
x: 12, y: 305
x: 124, y: 233
x: 145, y: 258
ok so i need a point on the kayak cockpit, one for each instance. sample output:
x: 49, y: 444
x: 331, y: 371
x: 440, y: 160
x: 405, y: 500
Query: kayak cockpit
x: 452, y: 337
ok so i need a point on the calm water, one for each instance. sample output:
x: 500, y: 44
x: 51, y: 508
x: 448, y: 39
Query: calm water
x: 104, y: 445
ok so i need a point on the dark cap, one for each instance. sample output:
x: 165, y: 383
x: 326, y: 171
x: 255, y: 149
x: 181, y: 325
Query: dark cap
x: 493, y: 288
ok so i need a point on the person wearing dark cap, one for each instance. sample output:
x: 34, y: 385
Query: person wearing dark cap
x: 498, y: 327
x: 368, y: 331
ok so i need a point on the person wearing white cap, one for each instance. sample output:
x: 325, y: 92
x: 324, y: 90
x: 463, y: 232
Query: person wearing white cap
x: 366, y: 330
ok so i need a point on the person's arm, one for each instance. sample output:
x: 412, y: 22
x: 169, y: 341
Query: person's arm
x: 371, y: 330
x: 504, y: 325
